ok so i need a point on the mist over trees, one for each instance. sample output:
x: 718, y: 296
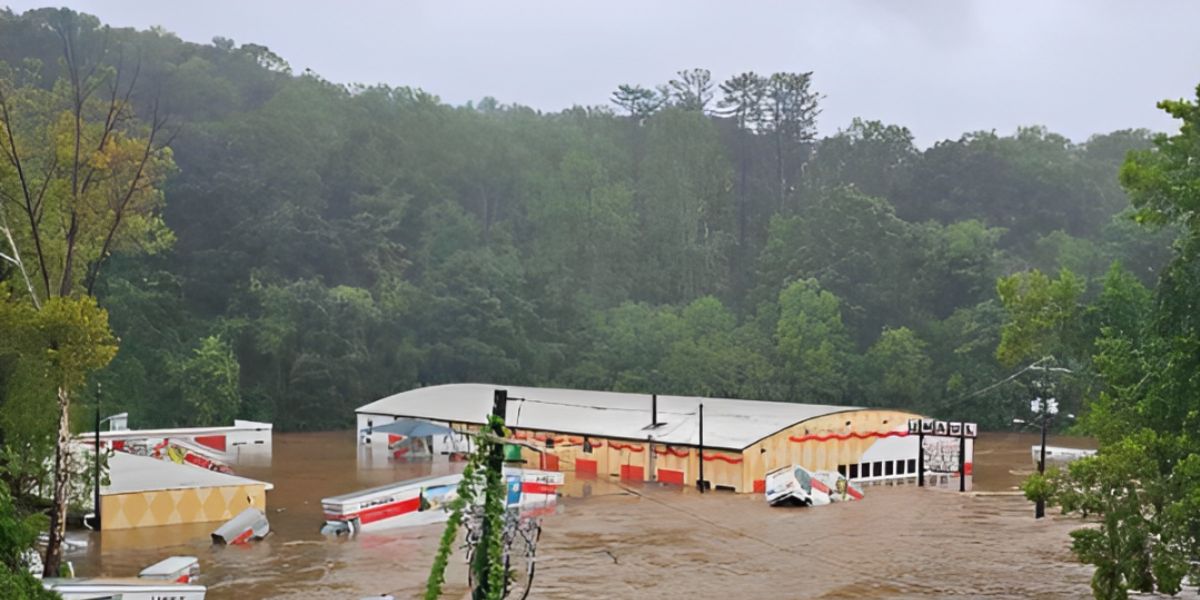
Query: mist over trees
x: 323, y: 245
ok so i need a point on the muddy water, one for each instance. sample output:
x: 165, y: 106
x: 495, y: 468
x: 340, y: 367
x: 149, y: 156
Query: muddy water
x: 614, y: 541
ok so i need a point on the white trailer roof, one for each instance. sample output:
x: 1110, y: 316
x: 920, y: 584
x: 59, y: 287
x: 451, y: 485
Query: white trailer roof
x: 128, y: 473
x: 729, y: 424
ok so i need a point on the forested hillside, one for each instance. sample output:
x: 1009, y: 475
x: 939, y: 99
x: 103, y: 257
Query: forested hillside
x: 325, y: 244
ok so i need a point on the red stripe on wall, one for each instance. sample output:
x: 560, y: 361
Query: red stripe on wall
x: 534, y: 487
x: 672, y: 452
x: 722, y: 457
x: 583, y: 465
x: 629, y: 447
x: 216, y: 442
x: 846, y: 436
x: 387, y: 511
x: 670, y: 476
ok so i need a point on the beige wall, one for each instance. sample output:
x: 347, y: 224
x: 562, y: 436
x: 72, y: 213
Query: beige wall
x: 172, y: 507
x: 782, y: 449
x: 727, y: 469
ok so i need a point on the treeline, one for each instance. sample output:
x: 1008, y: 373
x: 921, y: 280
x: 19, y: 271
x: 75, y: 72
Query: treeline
x: 329, y: 244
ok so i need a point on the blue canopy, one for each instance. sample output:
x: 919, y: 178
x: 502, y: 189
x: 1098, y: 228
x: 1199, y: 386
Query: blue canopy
x: 411, y: 428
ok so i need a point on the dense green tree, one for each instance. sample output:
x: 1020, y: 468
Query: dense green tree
x: 790, y: 118
x: 857, y: 248
x: 1045, y: 317
x: 208, y: 383
x: 17, y: 538
x: 687, y: 230
x: 1143, y: 487
x: 896, y: 370
x: 873, y: 157
x: 812, y: 344
x: 692, y: 90
x: 350, y: 241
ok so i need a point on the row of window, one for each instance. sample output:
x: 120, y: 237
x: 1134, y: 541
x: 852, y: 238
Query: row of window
x: 884, y: 468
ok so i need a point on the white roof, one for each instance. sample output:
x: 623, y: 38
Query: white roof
x: 730, y: 424
x: 238, y: 425
x: 169, y: 566
x: 129, y: 473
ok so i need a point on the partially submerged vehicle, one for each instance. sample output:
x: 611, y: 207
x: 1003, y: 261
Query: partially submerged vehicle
x: 176, y: 569
x: 795, y: 485
x: 427, y: 500
x: 1059, y: 454
x: 172, y: 578
x: 125, y: 589
x: 250, y: 524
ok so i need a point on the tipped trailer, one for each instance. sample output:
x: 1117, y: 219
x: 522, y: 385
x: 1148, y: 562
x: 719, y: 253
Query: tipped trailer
x: 250, y: 524
x: 795, y: 485
x: 427, y: 500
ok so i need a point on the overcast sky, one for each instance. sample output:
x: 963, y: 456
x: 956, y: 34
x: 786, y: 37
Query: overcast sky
x: 940, y: 68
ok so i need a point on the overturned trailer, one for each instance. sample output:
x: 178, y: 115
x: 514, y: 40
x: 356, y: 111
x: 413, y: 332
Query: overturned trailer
x: 796, y: 485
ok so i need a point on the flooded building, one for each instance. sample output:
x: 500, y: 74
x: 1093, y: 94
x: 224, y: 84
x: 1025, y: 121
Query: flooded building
x: 147, y: 492
x: 670, y: 439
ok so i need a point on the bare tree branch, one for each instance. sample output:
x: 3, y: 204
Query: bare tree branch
x: 156, y: 125
x: 14, y: 156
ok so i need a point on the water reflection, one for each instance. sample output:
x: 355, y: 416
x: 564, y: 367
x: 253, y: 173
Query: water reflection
x: 616, y: 540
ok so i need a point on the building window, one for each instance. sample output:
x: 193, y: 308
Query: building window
x: 890, y: 467
x: 866, y: 470
x: 912, y: 465
x: 878, y: 469
x: 842, y: 470
x: 854, y: 471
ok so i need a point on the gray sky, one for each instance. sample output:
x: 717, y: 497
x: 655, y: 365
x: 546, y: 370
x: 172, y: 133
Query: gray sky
x: 940, y: 68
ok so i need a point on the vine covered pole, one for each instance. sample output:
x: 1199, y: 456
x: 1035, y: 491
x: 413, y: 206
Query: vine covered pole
x: 700, y: 481
x: 488, y: 567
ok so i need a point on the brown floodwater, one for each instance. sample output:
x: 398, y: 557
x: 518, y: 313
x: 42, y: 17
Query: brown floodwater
x: 615, y: 540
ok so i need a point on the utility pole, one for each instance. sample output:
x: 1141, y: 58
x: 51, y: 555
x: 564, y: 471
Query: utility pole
x: 495, y: 468
x: 96, y: 475
x: 962, y: 461
x: 700, y: 455
x: 1039, y: 509
x: 921, y: 455
x: 1046, y: 409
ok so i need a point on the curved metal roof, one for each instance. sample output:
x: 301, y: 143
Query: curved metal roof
x: 730, y: 424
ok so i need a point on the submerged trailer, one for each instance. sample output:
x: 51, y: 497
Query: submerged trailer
x: 172, y: 578
x: 1059, y: 454
x: 124, y: 589
x: 427, y: 500
x: 796, y: 485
